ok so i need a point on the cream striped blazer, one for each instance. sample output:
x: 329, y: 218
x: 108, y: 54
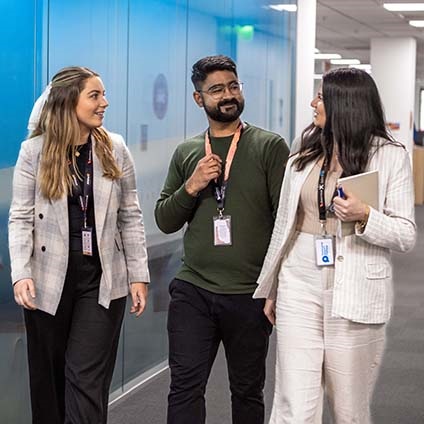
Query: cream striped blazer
x: 39, y: 229
x: 363, y: 267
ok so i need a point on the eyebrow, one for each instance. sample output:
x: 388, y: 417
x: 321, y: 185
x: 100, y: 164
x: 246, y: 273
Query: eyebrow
x: 220, y: 84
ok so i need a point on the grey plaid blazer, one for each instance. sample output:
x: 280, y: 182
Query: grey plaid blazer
x: 39, y: 229
x: 363, y: 268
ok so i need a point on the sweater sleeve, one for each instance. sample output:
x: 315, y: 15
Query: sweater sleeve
x: 175, y: 206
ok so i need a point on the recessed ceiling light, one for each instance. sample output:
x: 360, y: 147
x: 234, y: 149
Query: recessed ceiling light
x: 283, y: 7
x: 345, y: 61
x: 364, y: 66
x: 404, y: 7
x: 417, y: 24
x: 327, y: 56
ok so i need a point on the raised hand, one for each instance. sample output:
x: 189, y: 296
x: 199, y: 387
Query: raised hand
x: 207, y: 169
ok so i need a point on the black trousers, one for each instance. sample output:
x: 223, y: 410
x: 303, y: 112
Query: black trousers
x: 198, y: 321
x: 71, y: 355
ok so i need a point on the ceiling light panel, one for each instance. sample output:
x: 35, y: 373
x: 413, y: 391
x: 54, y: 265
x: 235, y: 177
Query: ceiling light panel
x: 417, y: 24
x: 283, y: 7
x: 326, y: 56
x: 345, y: 61
x: 404, y: 7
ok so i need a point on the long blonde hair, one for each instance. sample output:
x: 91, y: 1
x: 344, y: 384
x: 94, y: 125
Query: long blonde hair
x: 60, y: 128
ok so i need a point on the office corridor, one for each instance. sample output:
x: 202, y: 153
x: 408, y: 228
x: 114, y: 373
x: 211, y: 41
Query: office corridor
x: 399, y: 395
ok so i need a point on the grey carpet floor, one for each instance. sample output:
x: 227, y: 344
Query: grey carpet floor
x: 399, y: 394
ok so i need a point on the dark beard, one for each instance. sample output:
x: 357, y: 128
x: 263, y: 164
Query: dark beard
x: 217, y: 115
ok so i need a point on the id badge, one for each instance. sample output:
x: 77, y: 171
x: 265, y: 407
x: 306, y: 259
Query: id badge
x: 324, y: 250
x: 87, y: 241
x: 222, y: 230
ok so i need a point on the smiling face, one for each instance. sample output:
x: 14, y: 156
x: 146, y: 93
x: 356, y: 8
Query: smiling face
x: 221, y: 96
x: 91, y: 106
x: 319, y: 110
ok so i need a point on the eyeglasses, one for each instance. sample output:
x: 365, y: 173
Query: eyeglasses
x: 218, y: 91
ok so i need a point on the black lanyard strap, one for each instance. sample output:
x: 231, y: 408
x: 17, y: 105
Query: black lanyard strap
x: 84, y: 194
x: 321, y: 193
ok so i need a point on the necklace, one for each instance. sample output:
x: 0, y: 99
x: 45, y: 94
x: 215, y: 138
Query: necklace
x: 77, y: 151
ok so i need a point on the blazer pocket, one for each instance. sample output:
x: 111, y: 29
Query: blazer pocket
x: 117, y: 245
x: 379, y: 271
x: 118, y: 242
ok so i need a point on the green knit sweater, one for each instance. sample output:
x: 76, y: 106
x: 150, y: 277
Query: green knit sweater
x: 251, y: 200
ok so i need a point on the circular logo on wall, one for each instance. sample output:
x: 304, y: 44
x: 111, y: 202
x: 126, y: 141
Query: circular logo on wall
x: 160, y: 96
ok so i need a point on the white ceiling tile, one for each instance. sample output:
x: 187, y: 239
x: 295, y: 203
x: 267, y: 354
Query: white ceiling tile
x: 347, y: 26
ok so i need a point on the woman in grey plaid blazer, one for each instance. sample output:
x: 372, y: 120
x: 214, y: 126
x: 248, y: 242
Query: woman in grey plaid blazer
x: 330, y: 314
x: 77, y: 248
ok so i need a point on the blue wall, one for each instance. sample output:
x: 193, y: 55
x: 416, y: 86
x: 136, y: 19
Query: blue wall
x: 17, y: 73
x: 143, y: 49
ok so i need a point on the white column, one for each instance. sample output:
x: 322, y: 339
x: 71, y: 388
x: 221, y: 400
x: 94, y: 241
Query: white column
x: 393, y: 69
x: 305, y: 39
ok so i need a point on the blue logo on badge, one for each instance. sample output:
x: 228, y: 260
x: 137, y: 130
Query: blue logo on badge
x: 324, y: 253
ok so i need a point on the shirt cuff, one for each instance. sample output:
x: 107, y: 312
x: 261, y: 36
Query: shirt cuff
x: 184, y: 199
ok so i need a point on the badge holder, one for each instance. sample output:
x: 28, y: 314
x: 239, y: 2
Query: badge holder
x: 222, y: 229
x: 87, y: 241
x: 324, y: 248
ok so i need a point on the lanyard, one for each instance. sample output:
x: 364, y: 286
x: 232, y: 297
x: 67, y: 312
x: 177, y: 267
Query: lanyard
x: 219, y: 190
x: 84, y: 194
x: 321, y: 197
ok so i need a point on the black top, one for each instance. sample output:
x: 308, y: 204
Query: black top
x: 76, y: 215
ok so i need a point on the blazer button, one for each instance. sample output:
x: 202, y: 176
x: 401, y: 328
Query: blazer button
x: 41, y: 216
x: 43, y: 248
x: 340, y: 258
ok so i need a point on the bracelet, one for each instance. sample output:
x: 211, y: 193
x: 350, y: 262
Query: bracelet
x: 363, y: 223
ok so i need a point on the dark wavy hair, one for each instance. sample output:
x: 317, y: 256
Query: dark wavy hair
x: 354, y: 118
x: 203, y: 67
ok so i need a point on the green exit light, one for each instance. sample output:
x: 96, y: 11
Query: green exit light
x: 245, y: 32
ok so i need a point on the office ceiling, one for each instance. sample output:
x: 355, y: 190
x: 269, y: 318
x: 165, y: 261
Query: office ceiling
x: 347, y: 26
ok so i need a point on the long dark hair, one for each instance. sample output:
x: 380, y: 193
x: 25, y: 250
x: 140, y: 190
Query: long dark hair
x: 354, y: 118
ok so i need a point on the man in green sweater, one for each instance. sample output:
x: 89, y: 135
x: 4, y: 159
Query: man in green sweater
x: 225, y: 185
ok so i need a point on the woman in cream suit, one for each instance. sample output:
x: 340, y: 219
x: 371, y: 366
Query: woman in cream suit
x: 77, y: 249
x: 330, y: 314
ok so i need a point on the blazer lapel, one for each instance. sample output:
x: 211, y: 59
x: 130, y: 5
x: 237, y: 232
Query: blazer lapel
x: 102, y: 188
x: 297, y: 184
x: 297, y: 181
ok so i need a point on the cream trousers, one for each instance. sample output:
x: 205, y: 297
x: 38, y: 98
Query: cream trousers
x: 316, y: 351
